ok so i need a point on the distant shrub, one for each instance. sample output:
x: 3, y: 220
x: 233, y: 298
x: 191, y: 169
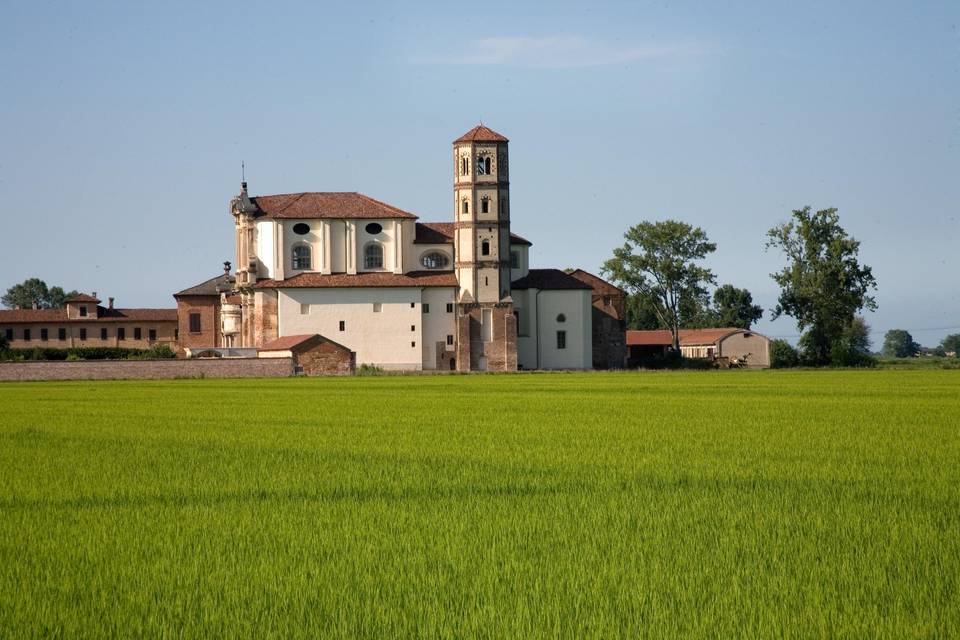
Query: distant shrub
x: 87, y: 353
x: 72, y: 357
x: 369, y: 370
x: 783, y: 355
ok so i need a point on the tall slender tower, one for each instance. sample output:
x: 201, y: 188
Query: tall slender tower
x: 487, y: 331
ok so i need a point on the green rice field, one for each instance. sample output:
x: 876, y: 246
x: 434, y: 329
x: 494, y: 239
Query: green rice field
x: 733, y: 504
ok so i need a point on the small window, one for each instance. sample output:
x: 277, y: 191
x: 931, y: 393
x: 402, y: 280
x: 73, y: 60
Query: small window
x: 413, y: 327
x: 466, y: 206
x: 9, y: 334
x: 343, y: 325
x: 83, y: 333
x: 44, y: 334
x: 413, y: 343
x: 121, y: 333
x: 514, y: 259
x: 373, y: 256
x: 483, y: 165
x: 606, y: 301
x: 453, y: 364
x: 301, y: 228
x: 561, y: 339
x: 83, y: 312
x: 301, y: 257
x: 103, y: 333
x: 426, y: 308
x: 304, y: 308
x: 377, y: 307
x: 464, y: 166
x: 137, y: 333
x: 176, y: 334
x: 61, y: 334
x: 195, y: 323
x: 485, y: 205
x: 486, y: 325
x: 434, y: 260
x: 413, y: 305
x: 485, y: 248
x: 449, y: 339
x: 561, y: 318
x: 152, y: 334
x: 449, y: 307
x: 374, y: 228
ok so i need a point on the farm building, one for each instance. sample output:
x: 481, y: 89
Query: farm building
x: 726, y: 345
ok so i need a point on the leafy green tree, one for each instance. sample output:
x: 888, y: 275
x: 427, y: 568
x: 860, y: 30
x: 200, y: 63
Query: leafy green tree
x: 852, y: 349
x: 733, y: 307
x: 35, y: 291
x: 951, y: 344
x: 823, y: 285
x: 783, y: 355
x: 898, y: 343
x: 658, y: 262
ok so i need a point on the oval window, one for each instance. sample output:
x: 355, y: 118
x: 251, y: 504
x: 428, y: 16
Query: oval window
x: 374, y: 228
x: 561, y: 318
x: 434, y: 260
x: 301, y: 228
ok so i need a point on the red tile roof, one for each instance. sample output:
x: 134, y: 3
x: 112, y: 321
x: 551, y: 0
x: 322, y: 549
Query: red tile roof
x: 688, y: 337
x: 208, y: 287
x: 327, y: 205
x: 21, y: 316
x: 287, y: 343
x: 369, y: 279
x: 82, y: 297
x: 481, y: 133
x: 442, y: 233
x: 596, y: 282
x: 550, y: 279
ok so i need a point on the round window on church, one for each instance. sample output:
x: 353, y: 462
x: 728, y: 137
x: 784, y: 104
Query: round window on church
x: 434, y: 260
x: 374, y: 228
x: 301, y: 228
x: 561, y: 318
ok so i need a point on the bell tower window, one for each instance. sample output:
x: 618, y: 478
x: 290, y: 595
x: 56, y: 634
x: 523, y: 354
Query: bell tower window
x: 485, y: 248
x: 485, y: 205
x: 483, y: 165
x: 464, y: 166
x: 466, y: 206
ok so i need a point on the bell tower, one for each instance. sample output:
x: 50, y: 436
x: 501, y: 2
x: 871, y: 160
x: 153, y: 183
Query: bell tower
x: 481, y: 194
x: 486, y: 324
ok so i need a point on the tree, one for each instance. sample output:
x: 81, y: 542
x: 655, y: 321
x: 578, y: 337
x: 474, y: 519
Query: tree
x: 658, y: 262
x: 898, y: 343
x: 733, y: 307
x: 35, y: 291
x: 783, y: 355
x: 824, y: 285
x: 852, y: 349
x: 951, y: 344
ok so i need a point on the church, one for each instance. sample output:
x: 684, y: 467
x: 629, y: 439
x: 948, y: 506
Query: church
x: 402, y: 294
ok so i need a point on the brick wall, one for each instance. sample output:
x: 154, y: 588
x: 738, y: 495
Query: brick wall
x: 207, y: 307
x: 325, y: 359
x: 148, y: 369
x: 500, y: 352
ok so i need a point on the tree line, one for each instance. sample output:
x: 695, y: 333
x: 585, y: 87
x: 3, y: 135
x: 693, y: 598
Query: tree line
x: 823, y: 287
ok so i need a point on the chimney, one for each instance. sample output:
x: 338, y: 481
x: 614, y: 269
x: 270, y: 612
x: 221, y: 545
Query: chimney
x: 35, y: 305
x: 226, y: 267
x: 110, y: 303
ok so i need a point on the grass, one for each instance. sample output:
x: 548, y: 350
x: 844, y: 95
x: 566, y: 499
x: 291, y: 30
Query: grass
x: 683, y: 504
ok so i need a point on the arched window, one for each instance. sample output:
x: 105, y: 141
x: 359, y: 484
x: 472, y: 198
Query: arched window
x: 561, y: 318
x: 301, y: 257
x: 434, y: 260
x: 373, y: 256
x: 485, y: 248
x: 463, y: 166
x: 466, y: 206
x: 485, y: 205
x: 483, y: 165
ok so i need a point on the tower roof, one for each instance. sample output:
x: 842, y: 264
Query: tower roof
x: 481, y: 133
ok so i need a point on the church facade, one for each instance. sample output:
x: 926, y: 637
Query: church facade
x: 404, y: 294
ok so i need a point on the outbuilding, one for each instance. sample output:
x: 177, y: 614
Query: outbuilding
x: 726, y: 346
x: 313, y: 355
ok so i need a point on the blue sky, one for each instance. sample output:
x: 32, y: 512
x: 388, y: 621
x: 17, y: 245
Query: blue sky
x: 123, y: 126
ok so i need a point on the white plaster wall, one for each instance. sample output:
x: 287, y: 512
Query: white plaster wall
x: 524, y: 266
x: 437, y: 324
x: 413, y: 254
x: 338, y: 256
x: 381, y: 338
x: 385, y: 238
x: 264, y: 244
x: 313, y: 239
x: 575, y: 306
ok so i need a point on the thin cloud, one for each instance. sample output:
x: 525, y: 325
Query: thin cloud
x: 558, y: 52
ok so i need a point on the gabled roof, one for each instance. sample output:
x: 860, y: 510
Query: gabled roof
x: 299, y: 343
x: 550, y: 279
x: 688, y: 337
x: 368, y: 279
x: 326, y: 204
x: 207, y: 287
x: 82, y: 297
x: 596, y: 282
x: 481, y: 133
x: 442, y: 233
